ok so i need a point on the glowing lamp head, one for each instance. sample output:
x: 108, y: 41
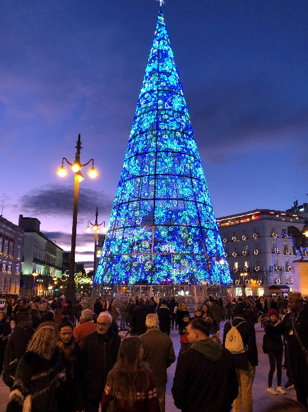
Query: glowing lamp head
x: 88, y: 229
x: 92, y: 172
x: 79, y: 177
x: 76, y: 167
x: 95, y: 227
x: 104, y: 229
x: 62, y: 171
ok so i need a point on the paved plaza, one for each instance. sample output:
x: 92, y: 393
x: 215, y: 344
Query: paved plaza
x: 260, y: 395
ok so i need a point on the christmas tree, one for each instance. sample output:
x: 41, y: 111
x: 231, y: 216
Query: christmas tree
x: 162, y: 228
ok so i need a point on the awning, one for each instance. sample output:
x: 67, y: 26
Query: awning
x: 278, y: 289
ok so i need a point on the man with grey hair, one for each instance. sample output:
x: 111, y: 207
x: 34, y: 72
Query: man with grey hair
x: 158, y: 352
x: 99, y: 352
x: 85, y: 327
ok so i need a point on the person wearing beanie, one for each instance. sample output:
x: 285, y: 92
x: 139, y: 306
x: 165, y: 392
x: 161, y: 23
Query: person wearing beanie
x: 272, y: 345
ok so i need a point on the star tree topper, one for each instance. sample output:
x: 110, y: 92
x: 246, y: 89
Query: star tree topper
x: 161, y: 2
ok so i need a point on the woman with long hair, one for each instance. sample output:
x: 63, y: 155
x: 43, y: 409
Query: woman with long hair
x: 130, y: 384
x: 38, y: 374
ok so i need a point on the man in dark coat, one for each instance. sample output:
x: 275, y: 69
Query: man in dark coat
x: 296, y: 322
x: 245, y: 362
x: 205, y: 376
x: 17, y: 345
x: 158, y: 352
x: 99, y: 352
x: 138, y: 318
x: 164, y: 318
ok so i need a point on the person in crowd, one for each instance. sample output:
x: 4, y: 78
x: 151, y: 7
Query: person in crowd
x: 274, y: 350
x: 49, y: 320
x: 205, y: 311
x: 180, y: 313
x: 295, y: 328
x: 173, y: 305
x: 122, y: 310
x: 77, y: 309
x: 130, y: 384
x: 99, y: 352
x: 197, y: 314
x: 217, y: 312
x: 138, y: 318
x: 16, y: 346
x: 98, y: 307
x: 158, y: 353
x: 36, y: 317
x: 205, y: 376
x: 5, y: 331
x: 113, y: 310
x: 229, y: 309
x: 130, y: 308
x: 185, y: 343
x: 70, y: 394
x: 85, y: 327
x: 38, y: 374
x: 68, y: 310
x: 164, y: 317
x: 246, y: 362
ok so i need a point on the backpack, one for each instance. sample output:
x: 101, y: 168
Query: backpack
x: 234, y: 342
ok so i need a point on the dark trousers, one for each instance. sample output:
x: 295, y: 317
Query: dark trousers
x: 275, y: 358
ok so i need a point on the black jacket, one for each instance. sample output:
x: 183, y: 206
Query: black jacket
x: 98, y: 354
x: 247, y: 331
x: 205, y: 379
x: 138, y: 319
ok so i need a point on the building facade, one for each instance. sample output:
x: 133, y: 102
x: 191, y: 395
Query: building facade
x: 11, y: 242
x: 259, y: 250
x: 42, y: 259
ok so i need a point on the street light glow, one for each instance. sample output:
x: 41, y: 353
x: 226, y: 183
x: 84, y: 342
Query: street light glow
x: 75, y: 167
x: 92, y: 172
x: 62, y: 171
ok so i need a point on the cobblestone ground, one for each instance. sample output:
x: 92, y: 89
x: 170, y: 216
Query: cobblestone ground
x: 260, y: 395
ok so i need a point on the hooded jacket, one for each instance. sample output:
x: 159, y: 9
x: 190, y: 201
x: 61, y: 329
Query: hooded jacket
x: 205, y: 379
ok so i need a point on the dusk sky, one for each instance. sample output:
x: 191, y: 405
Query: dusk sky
x: 76, y: 66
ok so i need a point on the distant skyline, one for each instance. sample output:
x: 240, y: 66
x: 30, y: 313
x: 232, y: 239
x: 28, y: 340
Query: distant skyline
x: 77, y: 67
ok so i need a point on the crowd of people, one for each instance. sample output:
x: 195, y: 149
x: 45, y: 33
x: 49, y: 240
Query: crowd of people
x: 61, y: 357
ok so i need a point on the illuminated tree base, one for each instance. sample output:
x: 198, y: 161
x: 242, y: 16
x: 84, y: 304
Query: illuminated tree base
x: 162, y: 228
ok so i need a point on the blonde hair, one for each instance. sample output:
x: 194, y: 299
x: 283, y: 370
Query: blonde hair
x: 43, y: 342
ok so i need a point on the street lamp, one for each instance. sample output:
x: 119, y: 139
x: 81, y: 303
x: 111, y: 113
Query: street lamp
x: 34, y: 274
x: 244, y: 274
x: 95, y: 226
x: 76, y: 167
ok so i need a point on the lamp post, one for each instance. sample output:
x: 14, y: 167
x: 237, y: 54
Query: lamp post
x: 76, y: 167
x: 244, y: 274
x: 95, y: 226
x: 34, y: 274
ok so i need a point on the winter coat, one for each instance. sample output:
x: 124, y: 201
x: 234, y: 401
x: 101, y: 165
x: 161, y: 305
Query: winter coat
x: 69, y: 394
x: 273, y: 340
x: 158, y: 352
x: 35, y: 384
x: 163, y: 314
x: 205, y: 379
x: 138, y: 319
x: 98, y: 354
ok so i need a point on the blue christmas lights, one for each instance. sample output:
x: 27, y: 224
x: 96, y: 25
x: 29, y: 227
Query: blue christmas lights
x: 162, y: 228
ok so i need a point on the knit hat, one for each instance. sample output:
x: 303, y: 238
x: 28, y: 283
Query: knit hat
x: 272, y: 312
x: 294, y: 296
